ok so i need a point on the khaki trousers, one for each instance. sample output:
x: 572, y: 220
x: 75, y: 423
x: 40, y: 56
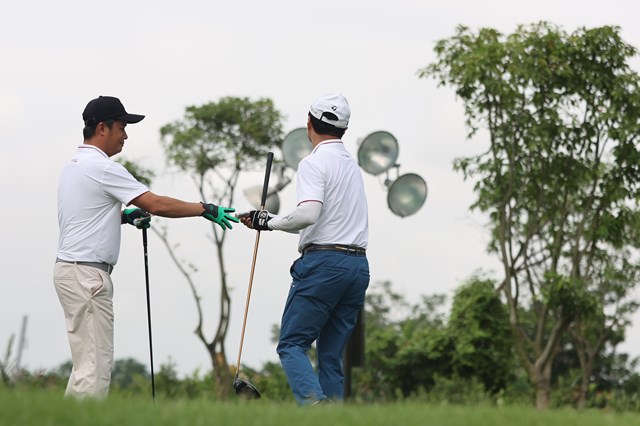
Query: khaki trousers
x: 86, y: 296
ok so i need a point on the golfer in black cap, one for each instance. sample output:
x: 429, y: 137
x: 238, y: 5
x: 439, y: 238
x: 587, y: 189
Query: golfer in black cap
x: 91, y: 192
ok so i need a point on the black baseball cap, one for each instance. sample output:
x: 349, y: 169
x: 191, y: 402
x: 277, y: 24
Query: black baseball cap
x: 105, y: 108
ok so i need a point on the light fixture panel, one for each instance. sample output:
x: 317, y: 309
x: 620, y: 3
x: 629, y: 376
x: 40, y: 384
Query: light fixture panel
x: 378, y: 152
x: 295, y: 147
x: 407, y: 194
x: 254, y: 196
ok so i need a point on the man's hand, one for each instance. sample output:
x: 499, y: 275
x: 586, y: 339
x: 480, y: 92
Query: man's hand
x: 219, y: 215
x: 259, y: 219
x: 137, y: 217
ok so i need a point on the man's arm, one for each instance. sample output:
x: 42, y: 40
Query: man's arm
x: 160, y: 205
x: 304, y: 215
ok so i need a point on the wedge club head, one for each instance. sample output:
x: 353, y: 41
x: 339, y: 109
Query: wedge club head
x: 245, y: 390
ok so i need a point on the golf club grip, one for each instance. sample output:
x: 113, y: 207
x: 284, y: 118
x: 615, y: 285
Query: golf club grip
x: 265, y: 187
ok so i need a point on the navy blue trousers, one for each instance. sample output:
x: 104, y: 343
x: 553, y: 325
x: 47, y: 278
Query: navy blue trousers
x: 327, y: 292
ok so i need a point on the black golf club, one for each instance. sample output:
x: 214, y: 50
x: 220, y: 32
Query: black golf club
x: 243, y: 388
x: 146, y: 273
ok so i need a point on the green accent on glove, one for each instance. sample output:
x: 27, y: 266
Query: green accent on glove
x: 220, y: 215
x: 137, y: 217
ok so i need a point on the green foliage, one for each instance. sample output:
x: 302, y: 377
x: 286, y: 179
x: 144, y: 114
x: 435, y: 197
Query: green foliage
x: 479, y: 324
x: 561, y: 178
x: 233, y: 132
x: 616, y: 383
x: 193, y: 386
x: 6, y: 380
x: 6, y: 364
x: 38, y: 380
x: 457, y: 390
x: 402, y: 354
x: 271, y: 381
x: 142, y: 175
x: 407, y: 355
x: 569, y: 297
x: 125, y: 373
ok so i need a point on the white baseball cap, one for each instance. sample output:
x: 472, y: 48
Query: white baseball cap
x: 333, y: 103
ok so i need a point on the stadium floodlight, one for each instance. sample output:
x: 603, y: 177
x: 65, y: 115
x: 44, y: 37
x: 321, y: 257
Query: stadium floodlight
x: 407, y: 194
x: 295, y: 147
x: 254, y: 194
x: 378, y: 152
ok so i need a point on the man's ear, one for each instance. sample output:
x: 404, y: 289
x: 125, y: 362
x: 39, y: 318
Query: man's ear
x: 101, y: 128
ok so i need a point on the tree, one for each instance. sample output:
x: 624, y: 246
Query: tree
x: 407, y: 345
x: 605, y: 328
x: 125, y: 370
x: 142, y: 175
x: 479, y: 326
x: 214, y: 143
x: 560, y: 179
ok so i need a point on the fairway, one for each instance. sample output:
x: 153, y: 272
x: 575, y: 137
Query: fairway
x: 48, y: 408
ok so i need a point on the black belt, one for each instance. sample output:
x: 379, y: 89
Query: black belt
x: 341, y: 248
x: 100, y: 265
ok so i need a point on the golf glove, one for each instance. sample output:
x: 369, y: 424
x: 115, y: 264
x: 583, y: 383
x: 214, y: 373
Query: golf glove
x: 260, y: 219
x: 137, y: 217
x: 219, y: 215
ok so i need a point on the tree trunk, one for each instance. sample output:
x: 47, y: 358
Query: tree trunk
x: 584, y: 390
x: 586, y: 368
x: 542, y: 382
x: 221, y: 373
x: 543, y: 393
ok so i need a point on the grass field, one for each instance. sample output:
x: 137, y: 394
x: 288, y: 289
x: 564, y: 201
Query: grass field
x: 47, y: 408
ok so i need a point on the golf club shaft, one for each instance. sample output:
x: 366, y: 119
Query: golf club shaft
x: 263, y: 201
x: 146, y: 274
x: 246, y: 307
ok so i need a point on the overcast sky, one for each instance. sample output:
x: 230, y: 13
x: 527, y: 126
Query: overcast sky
x: 159, y: 57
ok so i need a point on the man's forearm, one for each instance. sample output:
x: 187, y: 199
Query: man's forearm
x: 160, y: 205
x: 304, y: 215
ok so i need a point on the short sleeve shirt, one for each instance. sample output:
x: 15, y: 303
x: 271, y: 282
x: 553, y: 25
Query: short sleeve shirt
x: 91, y: 191
x: 331, y: 176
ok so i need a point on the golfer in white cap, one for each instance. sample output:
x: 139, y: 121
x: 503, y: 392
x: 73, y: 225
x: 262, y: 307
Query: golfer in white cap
x: 331, y: 276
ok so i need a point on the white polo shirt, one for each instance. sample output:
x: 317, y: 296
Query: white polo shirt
x: 91, y: 191
x: 331, y: 176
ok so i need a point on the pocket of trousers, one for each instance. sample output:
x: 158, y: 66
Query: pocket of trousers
x: 91, y: 279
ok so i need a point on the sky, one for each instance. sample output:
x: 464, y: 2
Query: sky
x: 159, y: 57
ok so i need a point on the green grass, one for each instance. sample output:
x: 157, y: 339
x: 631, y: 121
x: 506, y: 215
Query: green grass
x: 18, y: 407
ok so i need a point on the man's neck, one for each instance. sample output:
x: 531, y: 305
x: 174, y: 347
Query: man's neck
x: 96, y: 143
x: 317, y: 139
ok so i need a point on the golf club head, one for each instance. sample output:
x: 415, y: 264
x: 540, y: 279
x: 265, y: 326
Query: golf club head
x: 245, y: 390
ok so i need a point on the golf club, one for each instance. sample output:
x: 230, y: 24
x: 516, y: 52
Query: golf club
x: 243, y: 388
x: 146, y: 273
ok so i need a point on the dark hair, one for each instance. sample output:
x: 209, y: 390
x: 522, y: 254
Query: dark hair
x: 90, y: 130
x: 322, y: 128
